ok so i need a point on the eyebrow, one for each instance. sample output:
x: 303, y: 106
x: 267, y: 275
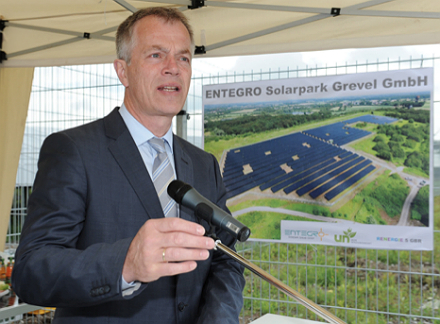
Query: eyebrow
x: 165, y: 50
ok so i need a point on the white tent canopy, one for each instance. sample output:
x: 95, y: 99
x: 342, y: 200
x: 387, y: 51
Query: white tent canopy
x: 64, y: 32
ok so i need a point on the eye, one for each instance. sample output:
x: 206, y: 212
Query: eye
x: 155, y: 55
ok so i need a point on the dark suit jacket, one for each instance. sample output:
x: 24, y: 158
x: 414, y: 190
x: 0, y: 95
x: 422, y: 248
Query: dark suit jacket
x: 91, y: 195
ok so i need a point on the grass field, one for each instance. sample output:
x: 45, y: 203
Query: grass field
x: 378, y: 203
x: 266, y: 225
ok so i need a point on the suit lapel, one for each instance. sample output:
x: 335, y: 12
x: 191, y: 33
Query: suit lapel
x: 127, y: 155
x: 184, y: 170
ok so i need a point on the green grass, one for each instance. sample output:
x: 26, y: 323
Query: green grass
x: 344, y: 277
x: 415, y: 172
x: 267, y: 225
x: 274, y: 203
x: 386, y: 194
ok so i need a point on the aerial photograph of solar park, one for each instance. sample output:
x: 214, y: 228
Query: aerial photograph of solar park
x: 365, y: 160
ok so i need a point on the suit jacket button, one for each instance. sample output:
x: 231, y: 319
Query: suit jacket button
x: 181, y: 306
x: 100, y: 291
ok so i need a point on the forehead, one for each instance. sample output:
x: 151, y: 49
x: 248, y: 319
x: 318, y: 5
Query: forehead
x: 157, y: 28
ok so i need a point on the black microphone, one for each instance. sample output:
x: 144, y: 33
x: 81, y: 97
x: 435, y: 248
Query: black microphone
x: 187, y: 196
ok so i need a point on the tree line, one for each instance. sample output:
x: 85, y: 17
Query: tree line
x: 421, y: 116
x: 259, y: 123
x: 408, y: 136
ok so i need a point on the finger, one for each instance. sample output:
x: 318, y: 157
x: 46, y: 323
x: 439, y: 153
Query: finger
x: 184, y: 240
x: 174, y: 224
x: 159, y: 270
x: 179, y: 255
x: 172, y: 269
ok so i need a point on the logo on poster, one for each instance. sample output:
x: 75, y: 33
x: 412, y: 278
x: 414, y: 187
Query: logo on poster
x: 348, y: 234
x: 399, y: 240
x: 321, y: 234
x: 305, y: 234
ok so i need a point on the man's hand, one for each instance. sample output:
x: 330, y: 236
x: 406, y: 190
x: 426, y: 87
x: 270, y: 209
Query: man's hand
x: 165, y: 247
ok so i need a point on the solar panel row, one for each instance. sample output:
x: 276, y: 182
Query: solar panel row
x: 269, y: 164
x: 262, y: 167
x: 337, y: 133
x: 260, y: 154
x: 300, y: 161
x: 308, y: 158
x: 264, y: 161
x: 339, y: 167
x: 317, y: 192
x: 252, y: 182
x: 309, y: 178
x: 307, y: 167
x: 258, y: 174
x: 278, y: 156
x: 373, y: 119
x: 336, y: 191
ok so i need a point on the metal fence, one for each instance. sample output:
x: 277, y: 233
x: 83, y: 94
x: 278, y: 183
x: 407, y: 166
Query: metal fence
x: 61, y: 97
x: 358, y: 285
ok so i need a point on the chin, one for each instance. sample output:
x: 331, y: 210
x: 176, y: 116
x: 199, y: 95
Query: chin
x: 173, y: 110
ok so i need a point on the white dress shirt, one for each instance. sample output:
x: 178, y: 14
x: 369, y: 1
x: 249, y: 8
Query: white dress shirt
x: 141, y: 135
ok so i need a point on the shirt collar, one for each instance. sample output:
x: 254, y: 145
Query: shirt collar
x: 139, y: 132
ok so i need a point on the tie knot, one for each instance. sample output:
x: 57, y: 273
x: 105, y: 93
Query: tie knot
x: 157, y: 144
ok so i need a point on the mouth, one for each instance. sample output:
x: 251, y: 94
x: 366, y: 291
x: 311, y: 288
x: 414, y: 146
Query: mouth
x: 169, y: 88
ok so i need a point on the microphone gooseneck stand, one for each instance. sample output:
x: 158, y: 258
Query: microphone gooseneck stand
x: 203, y: 211
x: 318, y: 310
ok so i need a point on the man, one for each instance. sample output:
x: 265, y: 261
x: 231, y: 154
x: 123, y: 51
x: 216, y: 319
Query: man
x: 96, y: 244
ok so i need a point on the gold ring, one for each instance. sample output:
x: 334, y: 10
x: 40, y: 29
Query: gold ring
x: 163, y: 255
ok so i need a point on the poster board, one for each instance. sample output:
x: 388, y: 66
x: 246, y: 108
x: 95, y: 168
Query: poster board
x: 341, y: 160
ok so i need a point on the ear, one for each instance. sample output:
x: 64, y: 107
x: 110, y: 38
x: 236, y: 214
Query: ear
x: 121, y: 70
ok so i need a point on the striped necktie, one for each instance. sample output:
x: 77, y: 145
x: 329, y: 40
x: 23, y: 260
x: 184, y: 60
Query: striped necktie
x: 163, y: 174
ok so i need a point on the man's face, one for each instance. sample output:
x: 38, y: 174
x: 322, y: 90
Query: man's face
x: 158, y: 77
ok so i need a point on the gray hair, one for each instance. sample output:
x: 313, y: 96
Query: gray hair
x: 124, y: 35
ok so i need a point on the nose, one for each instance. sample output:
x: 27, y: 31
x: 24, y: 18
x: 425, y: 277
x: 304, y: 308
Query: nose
x: 171, y: 66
